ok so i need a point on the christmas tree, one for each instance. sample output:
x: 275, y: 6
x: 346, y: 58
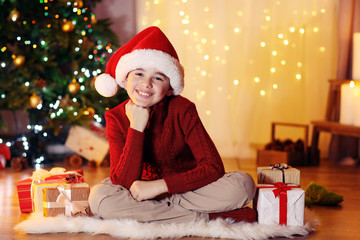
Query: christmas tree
x: 50, y: 54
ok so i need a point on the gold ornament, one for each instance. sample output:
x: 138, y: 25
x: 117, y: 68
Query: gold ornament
x: 19, y: 60
x: 68, y: 26
x: 74, y: 87
x: 90, y: 112
x: 35, y: 100
x: 92, y: 83
x: 80, y: 3
x: 14, y: 15
x: 93, y: 20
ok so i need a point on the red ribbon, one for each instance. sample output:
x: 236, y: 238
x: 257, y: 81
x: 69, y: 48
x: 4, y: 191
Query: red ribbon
x: 281, y: 191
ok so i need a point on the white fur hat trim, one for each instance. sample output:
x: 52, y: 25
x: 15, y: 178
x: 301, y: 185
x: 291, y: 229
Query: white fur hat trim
x: 150, y: 58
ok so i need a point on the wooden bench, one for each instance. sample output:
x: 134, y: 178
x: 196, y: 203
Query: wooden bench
x: 331, y: 124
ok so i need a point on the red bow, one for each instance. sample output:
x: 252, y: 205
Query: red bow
x: 281, y: 187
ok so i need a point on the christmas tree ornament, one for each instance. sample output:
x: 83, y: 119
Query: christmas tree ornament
x: 93, y: 19
x: 79, y: 3
x: 74, y: 87
x: 92, y: 83
x: 14, y: 15
x: 90, y: 112
x: 68, y: 26
x: 35, y: 100
x: 41, y: 83
x: 19, y: 60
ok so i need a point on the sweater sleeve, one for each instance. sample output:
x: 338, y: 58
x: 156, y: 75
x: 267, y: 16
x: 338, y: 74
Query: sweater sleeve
x: 209, y: 166
x: 126, y: 150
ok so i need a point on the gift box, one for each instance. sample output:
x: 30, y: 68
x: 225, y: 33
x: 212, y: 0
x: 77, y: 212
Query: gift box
x: 30, y: 190
x: 69, y: 179
x: 69, y: 201
x: 87, y: 143
x: 271, y: 174
x: 23, y: 188
x: 280, y: 203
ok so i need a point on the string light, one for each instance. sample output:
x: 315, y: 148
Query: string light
x: 285, y: 43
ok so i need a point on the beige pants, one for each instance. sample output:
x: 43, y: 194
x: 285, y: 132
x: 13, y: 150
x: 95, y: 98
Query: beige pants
x: 234, y: 190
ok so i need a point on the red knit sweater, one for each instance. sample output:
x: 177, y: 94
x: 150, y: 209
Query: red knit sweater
x: 175, y: 146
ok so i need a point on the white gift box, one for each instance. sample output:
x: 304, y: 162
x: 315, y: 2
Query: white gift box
x: 87, y: 144
x: 270, y: 207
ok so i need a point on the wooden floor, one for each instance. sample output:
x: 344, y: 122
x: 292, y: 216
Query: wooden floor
x: 341, y: 222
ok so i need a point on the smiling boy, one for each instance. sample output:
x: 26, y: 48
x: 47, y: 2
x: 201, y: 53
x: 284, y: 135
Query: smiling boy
x: 164, y: 166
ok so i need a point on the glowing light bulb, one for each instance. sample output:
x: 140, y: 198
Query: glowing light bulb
x: 236, y: 82
x: 298, y: 76
x: 262, y: 44
x: 262, y: 92
x: 256, y: 79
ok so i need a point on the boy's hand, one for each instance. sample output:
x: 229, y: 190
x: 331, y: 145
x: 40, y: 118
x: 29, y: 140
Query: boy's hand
x: 138, y: 116
x: 144, y: 190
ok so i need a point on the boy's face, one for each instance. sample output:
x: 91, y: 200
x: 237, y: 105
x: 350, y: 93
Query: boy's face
x: 147, y: 86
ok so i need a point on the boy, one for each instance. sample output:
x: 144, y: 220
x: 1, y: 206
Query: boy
x: 164, y: 167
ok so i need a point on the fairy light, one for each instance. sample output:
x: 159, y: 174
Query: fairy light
x: 280, y: 50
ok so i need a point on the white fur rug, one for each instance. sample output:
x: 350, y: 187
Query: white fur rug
x: 125, y: 228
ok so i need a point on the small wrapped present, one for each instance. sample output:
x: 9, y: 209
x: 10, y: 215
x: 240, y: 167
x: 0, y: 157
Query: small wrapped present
x: 30, y: 190
x: 89, y: 144
x: 23, y: 188
x: 57, y: 177
x: 69, y: 201
x: 278, y: 173
x: 280, y: 203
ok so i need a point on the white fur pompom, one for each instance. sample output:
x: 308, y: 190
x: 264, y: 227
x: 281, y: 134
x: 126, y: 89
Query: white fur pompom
x: 106, y: 85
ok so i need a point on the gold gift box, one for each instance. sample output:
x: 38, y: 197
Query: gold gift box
x: 76, y: 195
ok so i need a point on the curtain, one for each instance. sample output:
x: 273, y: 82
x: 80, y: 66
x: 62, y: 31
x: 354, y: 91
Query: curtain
x: 250, y: 62
x: 342, y: 147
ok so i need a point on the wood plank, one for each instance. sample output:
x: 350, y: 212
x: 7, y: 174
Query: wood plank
x: 336, y: 222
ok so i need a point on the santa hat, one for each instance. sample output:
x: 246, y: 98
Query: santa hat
x: 148, y: 49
